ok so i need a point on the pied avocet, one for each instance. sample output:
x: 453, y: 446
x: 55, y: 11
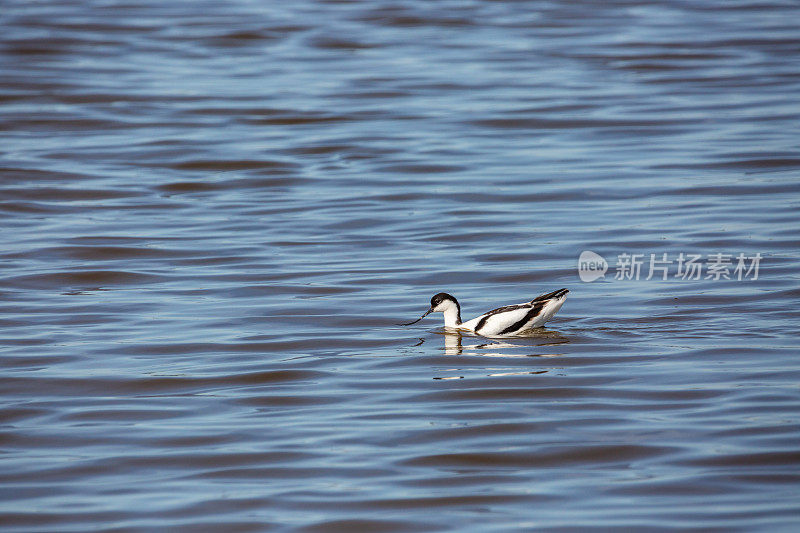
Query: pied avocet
x: 500, y: 322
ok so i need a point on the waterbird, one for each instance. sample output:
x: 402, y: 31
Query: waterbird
x: 501, y: 322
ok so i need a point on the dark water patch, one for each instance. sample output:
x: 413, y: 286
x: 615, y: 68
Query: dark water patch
x: 228, y: 165
x: 412, y: 17
x: 467, y: 501
x: 37, y: 362
x: 548, y: 108
x: 39, y: 47
x: 85, y: 278
x: 40, y: 519
x: 322, y: 149
x: 547, y: 196
x: 420, y: 169
x: 39, y: 175
x: 132, y: 416
x: 284, y: 400
x: 356, y: 223
x: 31, y: 207
x: 546, y: 457
x: 244, y: 37
x: 297, y: 118
x: 326, y: 344
x: 189, y: 187
x: 64, y: 194
x: 366, y: 94
x: 548, y: 393
x: 103, y: 253
x: 367, y: 526
x: 777, y: 459
x: 260, y: 473
x: 162, y: 384
x: 229, y: 109
x: 112, y: 239
x: 205, y: 441
x: 69, y: 124
x: 477, y: 432
x: 560, y: 123
x: 235, y: 184
x: 676, y: 488
x: 11, y: 415
x: 339, y: 43
x: 471, y: 237
x: 174, y: 462
x: 744, y: 164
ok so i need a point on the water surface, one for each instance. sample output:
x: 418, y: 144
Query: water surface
x: 213, y: 216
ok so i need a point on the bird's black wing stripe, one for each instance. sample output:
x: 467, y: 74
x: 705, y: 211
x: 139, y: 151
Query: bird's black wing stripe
x: 530, y: 315
x: 485, y: 318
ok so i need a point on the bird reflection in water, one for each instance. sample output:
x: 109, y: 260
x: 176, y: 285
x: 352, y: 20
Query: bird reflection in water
x: 455, y: 343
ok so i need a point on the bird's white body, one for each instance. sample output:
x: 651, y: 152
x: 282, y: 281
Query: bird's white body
x: 503, y: 321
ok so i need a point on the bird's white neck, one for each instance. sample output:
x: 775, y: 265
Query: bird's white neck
x: 452, y: 316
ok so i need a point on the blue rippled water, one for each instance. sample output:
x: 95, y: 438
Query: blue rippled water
x: 213, y: 216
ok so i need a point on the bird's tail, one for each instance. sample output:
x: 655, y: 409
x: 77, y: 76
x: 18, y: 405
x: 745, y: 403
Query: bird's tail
x: 560, y: 293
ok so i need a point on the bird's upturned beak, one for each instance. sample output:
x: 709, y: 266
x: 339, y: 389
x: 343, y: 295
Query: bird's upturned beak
x: 429, y: 311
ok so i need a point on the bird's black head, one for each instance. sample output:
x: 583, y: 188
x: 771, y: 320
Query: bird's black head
x: 440, y: 298
x: 440, y: 303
